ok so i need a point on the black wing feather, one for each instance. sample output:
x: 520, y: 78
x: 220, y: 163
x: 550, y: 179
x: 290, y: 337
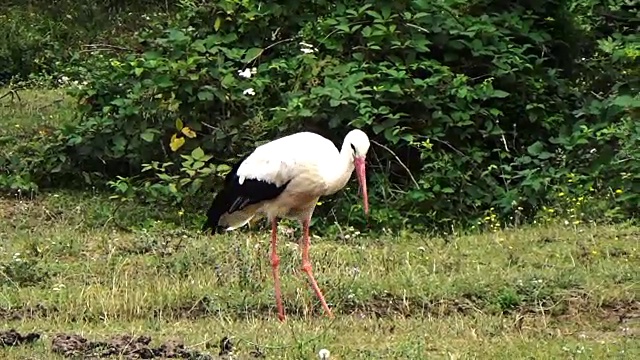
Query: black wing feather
x: 235, y: 196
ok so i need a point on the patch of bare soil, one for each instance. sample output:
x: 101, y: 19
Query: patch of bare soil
x: 14, y: 338
x: 124, y: 346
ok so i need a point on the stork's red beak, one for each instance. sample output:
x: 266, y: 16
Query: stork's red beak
x: 362, y: 179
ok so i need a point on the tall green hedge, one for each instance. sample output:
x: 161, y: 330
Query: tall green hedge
x: 475, y: 107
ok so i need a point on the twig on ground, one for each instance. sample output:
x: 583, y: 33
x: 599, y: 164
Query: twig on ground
x: 13, y: 93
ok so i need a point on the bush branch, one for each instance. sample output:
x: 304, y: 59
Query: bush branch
x: 413, y: 179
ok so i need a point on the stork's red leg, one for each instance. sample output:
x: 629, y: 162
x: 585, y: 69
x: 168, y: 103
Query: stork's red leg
x: 306, y: 266
x: 275, y: 263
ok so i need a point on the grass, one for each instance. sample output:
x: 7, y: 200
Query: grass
x: 34, y: 110
x: 72, y: 265
x: 30, y: 118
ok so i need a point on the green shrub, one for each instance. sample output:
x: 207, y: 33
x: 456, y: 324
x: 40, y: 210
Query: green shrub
x: 492, y: 106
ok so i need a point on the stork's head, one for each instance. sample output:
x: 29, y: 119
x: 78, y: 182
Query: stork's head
x: 358, y: 143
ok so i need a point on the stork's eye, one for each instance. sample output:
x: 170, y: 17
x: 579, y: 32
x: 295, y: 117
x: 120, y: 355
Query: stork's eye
x: 354, y: 149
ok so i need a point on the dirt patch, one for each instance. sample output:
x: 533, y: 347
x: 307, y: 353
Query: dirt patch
x: 623, y: 312
x: 27, y: 312
x: 124, y: 346
x: 14, y: 338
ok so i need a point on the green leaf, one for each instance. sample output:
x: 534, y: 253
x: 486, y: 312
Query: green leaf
x: 373, y: 14
x: 197, y: 153
x: 163, y: 81
x: 499, y: 94
x: 199, y: 46
x: 205, y: 95
x: 118, y: 102
x: 138, y: 71
x: 386, y: 12
x: 377, y: 129
x: 179, y: 124
x: 217, y: 24
x: 545, y: 155
x: 119, y: 142
x: 407, y: 137
x: 148, y: 135
x: 252, y: 54
x: 536, y: 148
x: 626, y: 101
x: 177, y: 35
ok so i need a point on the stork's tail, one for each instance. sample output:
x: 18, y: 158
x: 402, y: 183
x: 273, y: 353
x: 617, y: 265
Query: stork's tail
x: 220, y: 220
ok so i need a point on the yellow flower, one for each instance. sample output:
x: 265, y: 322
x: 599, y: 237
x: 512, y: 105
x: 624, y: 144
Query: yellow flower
x: 619, y: 191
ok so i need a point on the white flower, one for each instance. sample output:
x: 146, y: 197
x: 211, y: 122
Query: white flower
x: 249, y: 92
x: 307, y: 48
x: 323, y: 354
x: 63, y: 80
x: 246, y: 73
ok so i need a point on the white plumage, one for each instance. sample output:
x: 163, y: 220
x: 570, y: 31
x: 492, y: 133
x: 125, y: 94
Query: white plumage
x: 281, y: 160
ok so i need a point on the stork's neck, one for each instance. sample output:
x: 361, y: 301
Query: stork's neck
x: 341, y: 170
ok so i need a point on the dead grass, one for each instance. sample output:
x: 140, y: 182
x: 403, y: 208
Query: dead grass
x: 540, y: 292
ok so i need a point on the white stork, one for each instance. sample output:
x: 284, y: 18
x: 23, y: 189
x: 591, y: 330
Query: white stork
x: 285, y: 178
